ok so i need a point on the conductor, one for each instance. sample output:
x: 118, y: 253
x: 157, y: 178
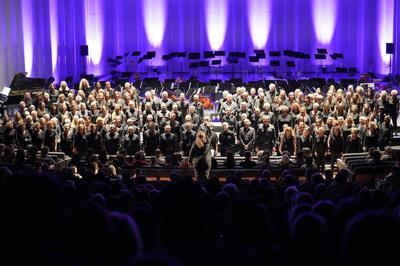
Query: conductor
x: 200, y: 156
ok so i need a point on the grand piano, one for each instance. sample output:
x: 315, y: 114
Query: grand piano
x: 21, y: 84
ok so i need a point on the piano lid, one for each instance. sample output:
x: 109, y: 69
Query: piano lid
x: 20, y: 81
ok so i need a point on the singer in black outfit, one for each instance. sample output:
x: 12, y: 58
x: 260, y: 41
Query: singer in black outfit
x: 200, y: 156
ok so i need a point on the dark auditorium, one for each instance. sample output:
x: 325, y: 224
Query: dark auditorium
x: 199, y: 132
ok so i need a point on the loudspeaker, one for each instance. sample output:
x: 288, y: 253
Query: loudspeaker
x: 84, y: 50
x: 389, y: 48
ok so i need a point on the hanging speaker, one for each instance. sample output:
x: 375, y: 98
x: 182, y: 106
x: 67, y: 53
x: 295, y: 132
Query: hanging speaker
x: 84, y: 50
x: 389, y: 48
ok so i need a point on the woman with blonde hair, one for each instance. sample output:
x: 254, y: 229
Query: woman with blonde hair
x: 200, y: 156
x: 288, y: 141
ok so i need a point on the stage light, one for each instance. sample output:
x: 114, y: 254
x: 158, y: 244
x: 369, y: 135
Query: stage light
x: 324, y: 18
x: 259, y: 20
x: 385, y: 30
x: 27, y: 32
x: 216, y: 21
x: 54, y: 35
x: 155, y: 15
x: 94, y: 29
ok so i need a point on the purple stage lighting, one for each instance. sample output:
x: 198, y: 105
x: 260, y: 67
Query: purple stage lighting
x: 54, y: 35
x: 259, y: 19
x: 385, y: 30
x: 94, y: 32
x: 324, y: 17
x: 27, y: 31
x: 155, y: 16
x: 216, y: 21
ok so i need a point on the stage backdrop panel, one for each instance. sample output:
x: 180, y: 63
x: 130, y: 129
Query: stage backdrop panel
x: 43, y: 37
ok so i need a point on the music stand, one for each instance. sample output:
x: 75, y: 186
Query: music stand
x: 233, y: 54
x: 215, y: 65
x: 275, y: 64
x: 204, y: 64
x: 194, y: 56
x: 180, y: 56
x: 321, y: 57
x: 352, y: 71
x: 167, y: 58
x: 290, y: 64
x: 274, y: 53
x: 322, y: 51
x: 341, y: 70
x: 260, y: 53
x: 254, y: 59
x: 194, y: 66
x: 208, y: 54
x: 219, y: 53
x: 216, y: 62
x: 339, y: 55
x: 232, y: 60
x: 288, y: 53
x: 151, y: 54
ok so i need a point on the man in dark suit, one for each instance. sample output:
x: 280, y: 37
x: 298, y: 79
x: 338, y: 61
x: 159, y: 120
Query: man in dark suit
x: 168, y: 141
x: 247, y: 136
x: 265, y: 137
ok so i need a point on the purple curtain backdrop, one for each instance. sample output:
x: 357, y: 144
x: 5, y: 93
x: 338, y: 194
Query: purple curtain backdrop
x: 43, y: 37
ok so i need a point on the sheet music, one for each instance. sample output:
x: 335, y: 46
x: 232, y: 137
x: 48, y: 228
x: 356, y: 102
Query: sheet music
x: 5, y: 91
